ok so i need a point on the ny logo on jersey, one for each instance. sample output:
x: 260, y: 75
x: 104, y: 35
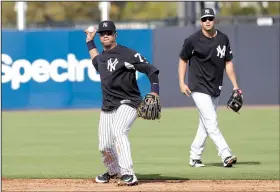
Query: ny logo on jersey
x: 105, y: 24
x: 221, y: 52
x: 207, y: 11
x: 111, y: 65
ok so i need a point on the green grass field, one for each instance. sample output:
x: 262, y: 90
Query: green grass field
x: 63, y: 144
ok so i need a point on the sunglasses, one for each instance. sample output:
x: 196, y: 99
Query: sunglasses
x: 108, y: 33
x: 204, y: 19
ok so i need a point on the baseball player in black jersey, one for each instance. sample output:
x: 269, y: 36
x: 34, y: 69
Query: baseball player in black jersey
x: 207, y: 53
x: 117, y: 66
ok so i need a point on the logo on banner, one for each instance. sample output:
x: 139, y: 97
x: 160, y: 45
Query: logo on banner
x: 18, y: 72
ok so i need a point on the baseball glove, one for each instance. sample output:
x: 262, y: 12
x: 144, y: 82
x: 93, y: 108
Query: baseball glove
x: 235, y: 101
x: 150, y: 108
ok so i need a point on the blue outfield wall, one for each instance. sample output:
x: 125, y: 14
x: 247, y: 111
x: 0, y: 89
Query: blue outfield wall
x: 52, y: 69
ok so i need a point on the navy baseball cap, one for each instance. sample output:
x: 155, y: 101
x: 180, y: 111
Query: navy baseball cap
x: 106, y: 26
x: 207, y: 12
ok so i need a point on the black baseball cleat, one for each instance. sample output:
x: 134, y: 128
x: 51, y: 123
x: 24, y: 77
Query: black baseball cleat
x: 128, y: 180
x: 229, y: 161
x: 234, y: 160
x: 105, y: 178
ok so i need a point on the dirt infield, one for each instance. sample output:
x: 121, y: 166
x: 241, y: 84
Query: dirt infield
x: 152, y: 185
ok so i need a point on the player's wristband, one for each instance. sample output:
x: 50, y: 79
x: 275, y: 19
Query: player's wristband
x: 91, y: 45
x: 155, y: 88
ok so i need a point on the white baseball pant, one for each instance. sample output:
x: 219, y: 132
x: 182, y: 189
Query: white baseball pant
x: 113, y: 139
x: 208, y: 126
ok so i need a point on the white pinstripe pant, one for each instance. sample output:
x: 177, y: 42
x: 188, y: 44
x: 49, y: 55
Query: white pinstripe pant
x: 113, y: 139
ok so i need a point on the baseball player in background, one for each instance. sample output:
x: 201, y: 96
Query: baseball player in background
x: 207, y: 53
x: 117, y: 66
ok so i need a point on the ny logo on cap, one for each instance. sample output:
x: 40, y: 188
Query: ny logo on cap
x: 105, y: 24
x: 207, y: 11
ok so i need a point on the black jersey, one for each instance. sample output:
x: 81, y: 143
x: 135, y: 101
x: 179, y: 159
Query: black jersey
x: 207, y: 58
x: 117, y: 68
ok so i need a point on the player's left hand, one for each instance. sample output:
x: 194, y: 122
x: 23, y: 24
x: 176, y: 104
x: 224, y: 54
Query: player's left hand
x: 153, y: 93
x: 235, y: 101
x: 150, y: 108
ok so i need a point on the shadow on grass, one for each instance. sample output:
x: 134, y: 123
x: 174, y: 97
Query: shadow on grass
x: 157, y: 178
x: 238, y: 163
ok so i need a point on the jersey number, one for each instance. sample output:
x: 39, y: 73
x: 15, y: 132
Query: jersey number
x: 140, y: 57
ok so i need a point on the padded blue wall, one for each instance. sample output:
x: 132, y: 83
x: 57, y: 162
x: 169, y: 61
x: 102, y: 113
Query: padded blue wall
x: 52, y: 70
